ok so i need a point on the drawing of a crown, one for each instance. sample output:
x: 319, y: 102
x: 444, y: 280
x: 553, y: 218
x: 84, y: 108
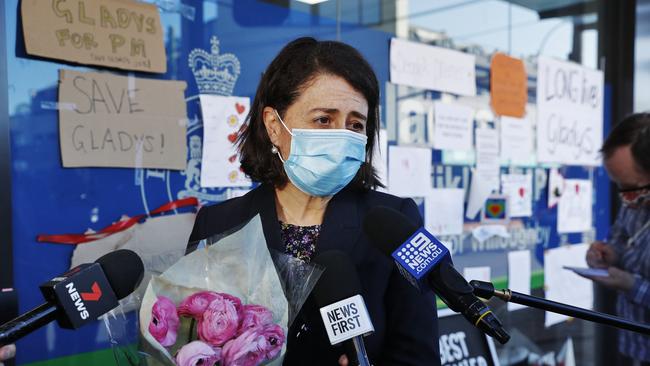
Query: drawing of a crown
x: 214, y: 73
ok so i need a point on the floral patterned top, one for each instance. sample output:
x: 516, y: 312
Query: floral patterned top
x: 300, y: 241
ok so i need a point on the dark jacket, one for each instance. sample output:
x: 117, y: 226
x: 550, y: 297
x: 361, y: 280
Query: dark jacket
x: 405, y: 322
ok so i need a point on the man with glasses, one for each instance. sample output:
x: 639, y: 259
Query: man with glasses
x: 626, y: 253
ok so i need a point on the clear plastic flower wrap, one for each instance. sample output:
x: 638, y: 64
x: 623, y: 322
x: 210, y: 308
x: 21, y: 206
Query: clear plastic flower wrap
x: 228, y: 302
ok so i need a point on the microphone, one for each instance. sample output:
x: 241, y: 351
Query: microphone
x: 342, y: 308
x: 80, y: 295
x: 426, y: 264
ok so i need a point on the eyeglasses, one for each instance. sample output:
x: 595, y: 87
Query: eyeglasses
x: 629, y: 190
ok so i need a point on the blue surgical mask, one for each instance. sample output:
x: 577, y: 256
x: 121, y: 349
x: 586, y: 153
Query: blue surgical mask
x: 323, y: 161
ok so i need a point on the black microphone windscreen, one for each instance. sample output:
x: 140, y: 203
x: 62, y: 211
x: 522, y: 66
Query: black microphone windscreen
x: 339, y: 280
x: 124, y: 271
x: 387, y: 228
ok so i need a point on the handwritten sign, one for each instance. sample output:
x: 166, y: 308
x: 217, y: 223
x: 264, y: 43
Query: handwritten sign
x: 434, y: 68
x: 443, y: 211
x: 409, y: 171
x: 516, y: 140
x: 223, y: 118
x: 115, y: 121
x: 508, y: 86
x: 124, y: 34
x: 575, y: 207
x: 519, y: 189
x: 570, y: 113
x: 453, y: 126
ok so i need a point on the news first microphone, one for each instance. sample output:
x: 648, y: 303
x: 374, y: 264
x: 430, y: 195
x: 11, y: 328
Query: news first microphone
x: 80, y: 295
x: 342, y: 308
x: 426, y: 264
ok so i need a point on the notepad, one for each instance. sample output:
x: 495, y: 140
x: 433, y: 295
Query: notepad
x: 589, y: 272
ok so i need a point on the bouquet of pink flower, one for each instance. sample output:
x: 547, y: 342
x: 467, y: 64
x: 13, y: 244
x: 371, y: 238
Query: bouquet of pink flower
x: 228, y: 332
x: 228, y: 303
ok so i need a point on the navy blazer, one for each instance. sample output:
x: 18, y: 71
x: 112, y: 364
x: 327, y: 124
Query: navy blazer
x: 405, y: 321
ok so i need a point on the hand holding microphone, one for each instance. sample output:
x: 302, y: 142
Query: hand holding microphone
x: 344, y: 313
x: 80, y: 295
x: 426, y: 263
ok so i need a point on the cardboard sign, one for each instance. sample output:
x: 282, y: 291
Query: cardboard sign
x: 508, y: 86
x: 123, y: 34
x: 115, y: 121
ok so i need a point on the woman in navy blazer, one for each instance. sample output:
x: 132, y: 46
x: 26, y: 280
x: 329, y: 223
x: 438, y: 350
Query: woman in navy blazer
x: 309, y: 142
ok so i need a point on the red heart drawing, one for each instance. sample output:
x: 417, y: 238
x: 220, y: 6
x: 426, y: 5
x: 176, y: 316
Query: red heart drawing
x: 240, y: 108
x: 495, y: 209
x: 232, y: 137
x: 232, y: 158
x: 522, y: 191
x: 577, y: 188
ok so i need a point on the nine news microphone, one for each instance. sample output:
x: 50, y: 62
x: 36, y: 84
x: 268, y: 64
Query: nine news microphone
x: 342, y: 308
x: 80, y: 295
x: 425, y: 262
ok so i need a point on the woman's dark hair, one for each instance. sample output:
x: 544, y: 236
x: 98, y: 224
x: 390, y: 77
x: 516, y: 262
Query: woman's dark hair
x: 297, y: 64
x: 634, y: 131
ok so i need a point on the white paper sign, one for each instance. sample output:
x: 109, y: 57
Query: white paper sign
x: 516, y: 139
x: 570, y: 113
x: 409, y: 171
x: 519, y: 189
x: 434, y: 68
x: 222, y: 119
x: 485, y: 177
x: 453, y: 126
x: 481, y: 273
x: 443, y: 211
x: 574, y: 210
x: 518, y: 275
x: 563, y: 285
x: 346, y: 319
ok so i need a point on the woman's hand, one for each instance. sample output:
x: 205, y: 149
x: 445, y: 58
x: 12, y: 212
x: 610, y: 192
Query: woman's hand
x: 601, y: 255
x: 618, y: 279
x: 7, y: 352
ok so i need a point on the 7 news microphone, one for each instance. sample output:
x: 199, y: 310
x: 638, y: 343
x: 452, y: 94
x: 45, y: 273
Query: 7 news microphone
x: 426, y: 263
x: 80, y: 295
x: 344, y: 313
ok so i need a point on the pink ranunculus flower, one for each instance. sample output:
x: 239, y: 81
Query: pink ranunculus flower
x: 253, y: 316
x: 195, y: 304
x: 248, y: 349
x: 219, y: 322
x: 198, y: 353
x: 233, y: 300
x: 275, y: 338
x: 164, y: 321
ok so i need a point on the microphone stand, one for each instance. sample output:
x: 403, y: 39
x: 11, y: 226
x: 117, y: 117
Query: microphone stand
x: 486, y: 290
